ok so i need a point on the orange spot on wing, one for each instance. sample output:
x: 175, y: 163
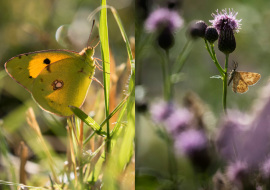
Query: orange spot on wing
x: 36, y: 65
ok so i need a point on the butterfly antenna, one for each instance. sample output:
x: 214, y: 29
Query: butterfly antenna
x: 97, y: 42
x: 88, y: 44
x: 235, y: 65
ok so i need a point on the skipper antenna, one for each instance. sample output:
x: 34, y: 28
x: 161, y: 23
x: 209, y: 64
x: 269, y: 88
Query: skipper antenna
x: 235, y: 65
x: 88, y: 42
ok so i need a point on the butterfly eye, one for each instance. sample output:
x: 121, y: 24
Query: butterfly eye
x: 235, y: 65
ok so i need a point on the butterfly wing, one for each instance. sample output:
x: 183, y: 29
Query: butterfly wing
x: 249, y: 77
x: 26, y: 67
x: 61, y: 84
x: 238, y: 84
x: 242, y: 80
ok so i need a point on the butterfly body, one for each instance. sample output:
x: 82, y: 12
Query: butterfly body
x: 55, y: 78
x: 241, y: 80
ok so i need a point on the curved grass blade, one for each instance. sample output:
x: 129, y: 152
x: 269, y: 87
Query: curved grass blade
x: 88, y: 120
x: 109, y: 117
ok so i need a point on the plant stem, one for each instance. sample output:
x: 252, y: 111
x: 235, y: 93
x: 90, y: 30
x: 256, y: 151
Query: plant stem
x: 225, y: 84
x: 181, y: 59
x: 222, y: 71
x: 81, y: 155
x: 214, y: 58
x: 208, y: 49
x: 172, y: 163
x: 166, y: 78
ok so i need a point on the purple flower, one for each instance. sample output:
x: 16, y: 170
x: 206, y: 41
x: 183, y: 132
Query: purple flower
x: 161, y: 111
x: 225, y: 21
x: 248, y: 141
x: 161, y: 18
x: 190, y: 142
x: 232, y: 134
x: 178, y: 121
x: 237, y: 171
x: 265, y: 169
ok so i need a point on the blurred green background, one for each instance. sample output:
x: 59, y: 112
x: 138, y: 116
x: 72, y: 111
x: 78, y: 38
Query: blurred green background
x: 252, y: 54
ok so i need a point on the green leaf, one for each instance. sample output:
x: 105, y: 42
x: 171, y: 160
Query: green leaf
x: 216, y: 77
x: 108, y: 118
x: 88, y: 120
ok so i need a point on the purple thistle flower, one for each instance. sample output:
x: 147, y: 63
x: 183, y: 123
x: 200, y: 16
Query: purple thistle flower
x: 232, y: 134
x: 248, y: 141
x: 190, y: 142
x: 265, y: 169
x: 178, y: 121
x: 226, y: 20
x: 161, y: 18
x: 161, y: 111
x: 237, y: 171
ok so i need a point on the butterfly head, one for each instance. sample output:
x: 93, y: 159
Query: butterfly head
x: 235, y: 65
x: 232, y: 72
x: 88, y: 52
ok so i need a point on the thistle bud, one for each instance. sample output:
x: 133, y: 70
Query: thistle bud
x: 211, y: 34
x: 226, y: 41
x: 197, y: 29
x: 166, y: 39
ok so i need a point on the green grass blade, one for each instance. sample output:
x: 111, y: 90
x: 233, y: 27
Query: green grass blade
x: 2, y: 74
x: 104, y: 40
x: 124, y: 35
x: 4, y: 150
x: 88, y: 120
x: 109, y: 117
x: 131, y: 90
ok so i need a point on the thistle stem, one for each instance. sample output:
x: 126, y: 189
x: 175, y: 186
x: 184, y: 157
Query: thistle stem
x: 166, y: 78
x: 224, y: 98
x: 212, y: 53
x: 220, y: 69
x: 181, y: 59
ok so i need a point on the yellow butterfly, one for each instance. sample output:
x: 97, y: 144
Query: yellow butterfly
x: 55, y: 78
x: 241, y: 80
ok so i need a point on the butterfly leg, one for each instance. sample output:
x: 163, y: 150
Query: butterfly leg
x: 98, y: 65
x: 95, y: 79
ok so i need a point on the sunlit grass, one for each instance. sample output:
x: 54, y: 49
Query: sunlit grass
x: 72, y: 155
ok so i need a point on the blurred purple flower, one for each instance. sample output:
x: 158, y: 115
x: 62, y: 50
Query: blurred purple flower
x: 248, y: 141
x: 178, y: 121
x: 231, y: 137
x: 226, y: 20
x: 265, y: 169
x: 161, y: 111
x: 257, y: 146
x: 237, y: 171
x: 190, y: 141
x: 163, y: 17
